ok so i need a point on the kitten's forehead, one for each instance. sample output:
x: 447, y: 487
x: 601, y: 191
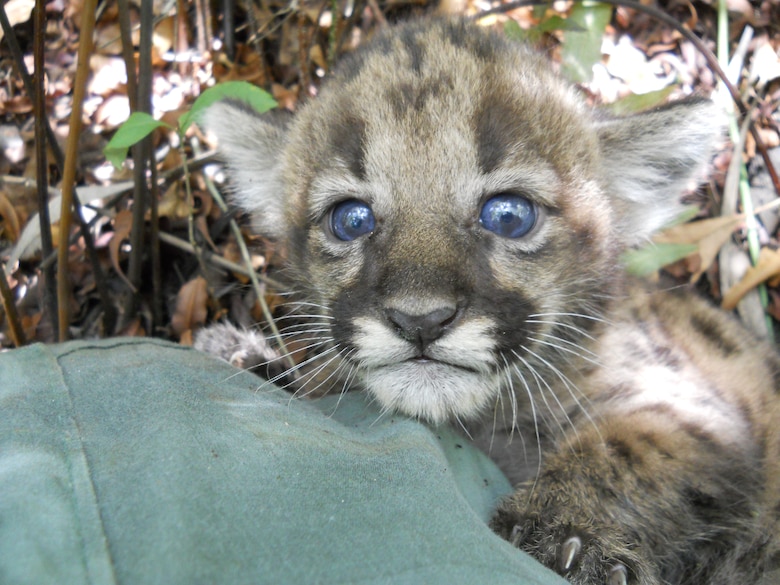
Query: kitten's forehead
x: 447, y: 97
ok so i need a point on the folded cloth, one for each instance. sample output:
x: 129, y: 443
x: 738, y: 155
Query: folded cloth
x: 141, y: 462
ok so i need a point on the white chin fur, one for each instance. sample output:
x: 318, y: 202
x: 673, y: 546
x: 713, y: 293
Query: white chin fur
x: 432, y: 391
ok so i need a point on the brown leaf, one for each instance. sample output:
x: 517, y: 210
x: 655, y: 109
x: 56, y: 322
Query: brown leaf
x: 191, y: 309
x: 203, y: 227
x: 163, y: 36
x: 186, y: 338
x: 12, y: 224
x: 123, y: 223
x: 708, y: 234
x: 133, y: 329
x: 30, y: 324
x: 172, y: 204
x: 767, y: 267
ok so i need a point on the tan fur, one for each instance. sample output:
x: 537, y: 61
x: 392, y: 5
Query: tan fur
x: 656, y: 416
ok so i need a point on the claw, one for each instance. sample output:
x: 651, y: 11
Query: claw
x: 618, y: 575
x: 569, y: 551
x: 515, y: 536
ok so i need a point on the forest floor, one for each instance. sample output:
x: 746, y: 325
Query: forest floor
x: 169, y: 265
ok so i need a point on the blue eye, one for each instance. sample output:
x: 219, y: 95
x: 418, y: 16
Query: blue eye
x: 507, y: 215
x: 351, y: 219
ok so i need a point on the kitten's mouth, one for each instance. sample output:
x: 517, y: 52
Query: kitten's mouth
x: 425, y: 361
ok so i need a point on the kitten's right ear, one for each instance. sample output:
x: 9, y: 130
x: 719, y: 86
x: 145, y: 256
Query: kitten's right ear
x: 252, y: 144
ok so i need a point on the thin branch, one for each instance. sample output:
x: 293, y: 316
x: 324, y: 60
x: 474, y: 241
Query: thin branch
x: 154, y: 243
x: 71, y: 158
x: 42, y: 162
x: 667, y: 19
x: 126, y: 33
x: 140, y: 159
x: 377, y: 12
x: 215, y: 259
x: 14, y: 323
x: 229, y: 28
x: 253, y: 277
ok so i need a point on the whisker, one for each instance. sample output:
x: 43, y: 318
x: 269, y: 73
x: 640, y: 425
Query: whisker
x: 289, y: 316
x: 539, y: 382
x: 313, y: 373
x: 289, y: 334
x: 567, y: 350
x: 537, y: 434
x: 513, y: 406
x: 573, y: 391
x: 578, y: 315
x: 564, y: 325
x: 300, y: 365
x: 347, y: 379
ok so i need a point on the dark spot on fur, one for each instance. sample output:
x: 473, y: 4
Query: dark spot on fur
x: 713, y: 333
x: 352, y: 64
x: 412, y: 97
x: 482, y: 46
x: 347, y: 141
x: 652, y: 443
x: 494, y: 141
x: 665, y: 355
x: 415, y: 49
x: 399, y: 99
x: 701, y: 436
x: 624, y: 451
x: 298, y: 240
x: 705, y: 506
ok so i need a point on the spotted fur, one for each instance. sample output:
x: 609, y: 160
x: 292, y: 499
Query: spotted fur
x: 642, y: 425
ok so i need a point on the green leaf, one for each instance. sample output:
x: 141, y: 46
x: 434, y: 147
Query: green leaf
x: 137, y: 127
x: 539, y: 11
x: 653, y: 257
x: 687, y: 214
x: 559, y: 23
x: 514, y: 31
x: 582, y: 50
x: 259, y: 99
x: 633, y: 103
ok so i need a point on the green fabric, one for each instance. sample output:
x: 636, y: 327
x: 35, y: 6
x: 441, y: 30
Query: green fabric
x: 142, y: 462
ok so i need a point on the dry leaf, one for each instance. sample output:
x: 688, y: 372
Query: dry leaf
x: 30, y: 325
x: 709, y: 235
x: 203, y: 227
x: 113, y: 112
x: 12, y: 224
x: 108, y: 75
x: 768, y: 266
x: 123, y: 223
x: 162, y: 37
x: 133, y: 329
x: 172, y: 204
x: 191, y: 309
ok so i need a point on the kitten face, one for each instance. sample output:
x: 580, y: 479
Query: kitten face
x: 456, y: 212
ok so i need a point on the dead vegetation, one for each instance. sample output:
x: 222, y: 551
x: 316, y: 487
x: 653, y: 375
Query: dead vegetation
x: 147, y: 249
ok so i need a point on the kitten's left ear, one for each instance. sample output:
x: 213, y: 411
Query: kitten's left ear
x: 652, y: 158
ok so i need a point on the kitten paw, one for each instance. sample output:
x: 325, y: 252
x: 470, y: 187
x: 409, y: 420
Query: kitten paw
x: 241, y: 348
x: 586, y: 552
x: 568, y: 557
